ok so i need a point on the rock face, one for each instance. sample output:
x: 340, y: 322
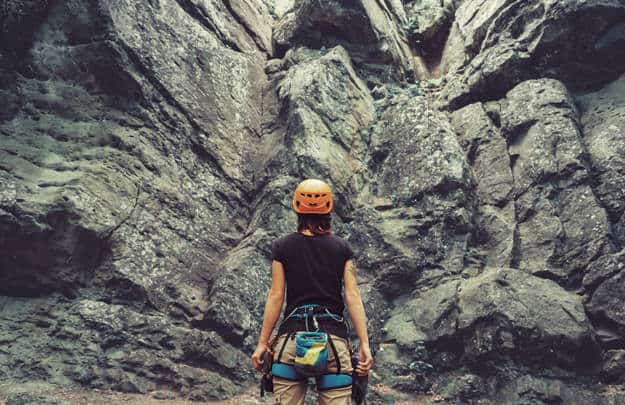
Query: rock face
x: 148, y: 151
x: 125, y: 187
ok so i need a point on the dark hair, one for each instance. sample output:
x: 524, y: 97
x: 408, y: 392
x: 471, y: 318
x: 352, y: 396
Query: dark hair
x: 319, y: 224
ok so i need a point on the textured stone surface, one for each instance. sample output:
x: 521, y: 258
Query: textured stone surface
x: 538, y: 206
x: 486, y: 151
x: 370, y: 30
x: 614, y: 365
x: 561, y: 225
x: 427, y: 27
x: 495, y: 44
x: 328, y: 105
x: 148, y: 151
x: 528, y: 390
x: 417, y: 206
x: 499, y: 313
x: 608, y: 299
x: 121, y: 149
x: 603, y: 120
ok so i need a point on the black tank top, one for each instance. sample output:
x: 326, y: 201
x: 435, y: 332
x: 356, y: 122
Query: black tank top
x: 313, y: 267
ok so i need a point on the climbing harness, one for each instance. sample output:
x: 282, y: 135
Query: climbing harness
x: 311, y: 349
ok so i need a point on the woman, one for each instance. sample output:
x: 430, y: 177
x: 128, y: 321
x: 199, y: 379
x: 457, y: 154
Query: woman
x: 315, y: 265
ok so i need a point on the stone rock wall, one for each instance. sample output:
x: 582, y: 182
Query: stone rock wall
x: 148, y: 151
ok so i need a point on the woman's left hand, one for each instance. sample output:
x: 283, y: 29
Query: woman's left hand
x: 257, y: 357
x: 365, y: 361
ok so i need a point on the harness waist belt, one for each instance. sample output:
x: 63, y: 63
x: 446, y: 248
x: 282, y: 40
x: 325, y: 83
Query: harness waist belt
x: 327, y: 325
x: 320, y: 315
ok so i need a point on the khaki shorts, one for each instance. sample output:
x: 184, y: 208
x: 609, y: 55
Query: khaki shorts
x: 287, y: 392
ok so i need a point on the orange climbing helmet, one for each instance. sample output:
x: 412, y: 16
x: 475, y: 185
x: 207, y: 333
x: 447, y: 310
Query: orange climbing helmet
x: 313, y: 196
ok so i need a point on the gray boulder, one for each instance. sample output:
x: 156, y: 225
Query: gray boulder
x: 538, y: 207
x: 530, y: 390
x: 328, y: 107
x: 495, y: 45
x: 500, y: 314
x: 603, y: 268
x: 561, y: 225
x: 603, y: 302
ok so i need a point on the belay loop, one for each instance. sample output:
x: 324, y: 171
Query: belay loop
x: 310, y: 313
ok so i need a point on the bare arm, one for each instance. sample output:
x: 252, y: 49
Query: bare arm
x: 359, y: 318
x: 273, y: 306
x: 354, y: 303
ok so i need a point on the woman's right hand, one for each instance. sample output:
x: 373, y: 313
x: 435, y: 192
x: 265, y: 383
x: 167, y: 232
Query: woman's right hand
x: 365, y: 361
